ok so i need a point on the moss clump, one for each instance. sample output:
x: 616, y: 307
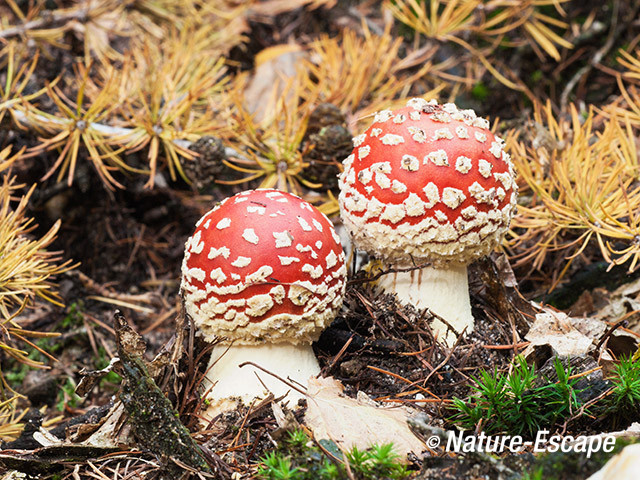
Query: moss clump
x: 298, y: 458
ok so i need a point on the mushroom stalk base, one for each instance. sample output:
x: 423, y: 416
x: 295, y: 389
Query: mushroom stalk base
x: 225, y: 379
x: 444, y: 291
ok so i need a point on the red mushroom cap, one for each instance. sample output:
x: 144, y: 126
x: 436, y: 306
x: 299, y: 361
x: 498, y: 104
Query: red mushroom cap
x: 263, y: 264
x: 427, y: 182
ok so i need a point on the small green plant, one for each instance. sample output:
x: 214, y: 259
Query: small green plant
x: 480, y: 91
x: 379, y: 461
x: 15, y: 376
x: 102, y: 361
x: 524, y: 414
x: 278, y: 467
x: 67, y: 396
x: 297, y: 458
x: 519, y: 403
x: 563, y: 395
x: 624, y: 400
x: 74, y: 316
x: 534, y: 475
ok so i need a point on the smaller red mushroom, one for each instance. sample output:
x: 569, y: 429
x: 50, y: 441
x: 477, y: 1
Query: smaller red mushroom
x: 432, y: 184
x: 263, y: 274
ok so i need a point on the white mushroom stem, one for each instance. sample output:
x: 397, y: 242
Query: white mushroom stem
x: 444, y: 291
x: 226, y: 379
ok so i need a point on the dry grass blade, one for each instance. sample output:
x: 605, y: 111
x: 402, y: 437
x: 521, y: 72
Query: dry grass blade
x: 37, y: 24
x: 331, y: 206
x: 17, y: 78
x: 631, y: 63
x: 273, y: 143
x: 26, y: 269
x: 97, y: 23
x: 581, y: 189
x: 6, y: 159
x: 10, y: 420
x: 101, y: 22
x: 450, y: 22
x: 454, y: 21
x: 171, y: 96
x: 506, y: 16
x: 75, y: 125
x: 438, y: 18
x: 352, y: 72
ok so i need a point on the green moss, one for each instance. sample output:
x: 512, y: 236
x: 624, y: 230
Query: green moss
x: 624, y: 401
x: 74, y: 316
x: 67, y: 395
x: 515, y: 403
x: 480, y: 91
x: 297, y: 458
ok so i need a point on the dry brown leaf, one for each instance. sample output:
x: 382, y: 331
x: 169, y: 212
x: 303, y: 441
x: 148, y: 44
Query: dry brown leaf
x: 622, y: 302
x: 566, y: 335
x: 274, y: 66
x: 353, y: 423
x: 271, y: 8
x: 113, y: 432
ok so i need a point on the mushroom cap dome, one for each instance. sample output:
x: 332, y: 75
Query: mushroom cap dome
x: 263, y: 265
x: 427, y: 183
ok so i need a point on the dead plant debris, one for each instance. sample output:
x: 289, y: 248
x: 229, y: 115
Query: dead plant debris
x: 122, y: 122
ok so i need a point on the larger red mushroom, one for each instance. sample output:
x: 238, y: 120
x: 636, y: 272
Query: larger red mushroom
x: 263, y: 274
x: 428, y: 184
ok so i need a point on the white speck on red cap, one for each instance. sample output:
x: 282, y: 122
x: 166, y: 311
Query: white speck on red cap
x: 224, y: 223
x: 246, y: 281
x: 214, y: 252
x: 250, y: 236
x: 447, y: 191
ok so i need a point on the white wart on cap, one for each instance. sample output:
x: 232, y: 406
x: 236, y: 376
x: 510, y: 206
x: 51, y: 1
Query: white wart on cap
x: 428, y: 183
x: 264, y: 269
x: 263, y: 264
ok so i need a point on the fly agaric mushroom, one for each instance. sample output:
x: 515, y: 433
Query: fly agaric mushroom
x: 263, y: 274
x: 428, y: 184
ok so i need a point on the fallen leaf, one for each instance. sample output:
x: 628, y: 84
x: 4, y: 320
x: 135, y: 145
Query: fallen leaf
x: 274, y: 65
x: 286, y: 421
x: 622, y: 302
x: 557, y: 330
x: 272, y: 8
x: 113, y: 431
x: 353, y: 423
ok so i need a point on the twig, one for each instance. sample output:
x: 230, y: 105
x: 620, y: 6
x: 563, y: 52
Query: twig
x: 614, y: 32
x: 401, y: 378
x: 505, y: 347
x: 109, y: 131
x: 609, y: 332
x: 388, y: 271
x: 581, y: 410
x: 51, y: 19
x: 446, y: 360
x: 340, y: 353
x: 160, y: 320
x: 286, y: 382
